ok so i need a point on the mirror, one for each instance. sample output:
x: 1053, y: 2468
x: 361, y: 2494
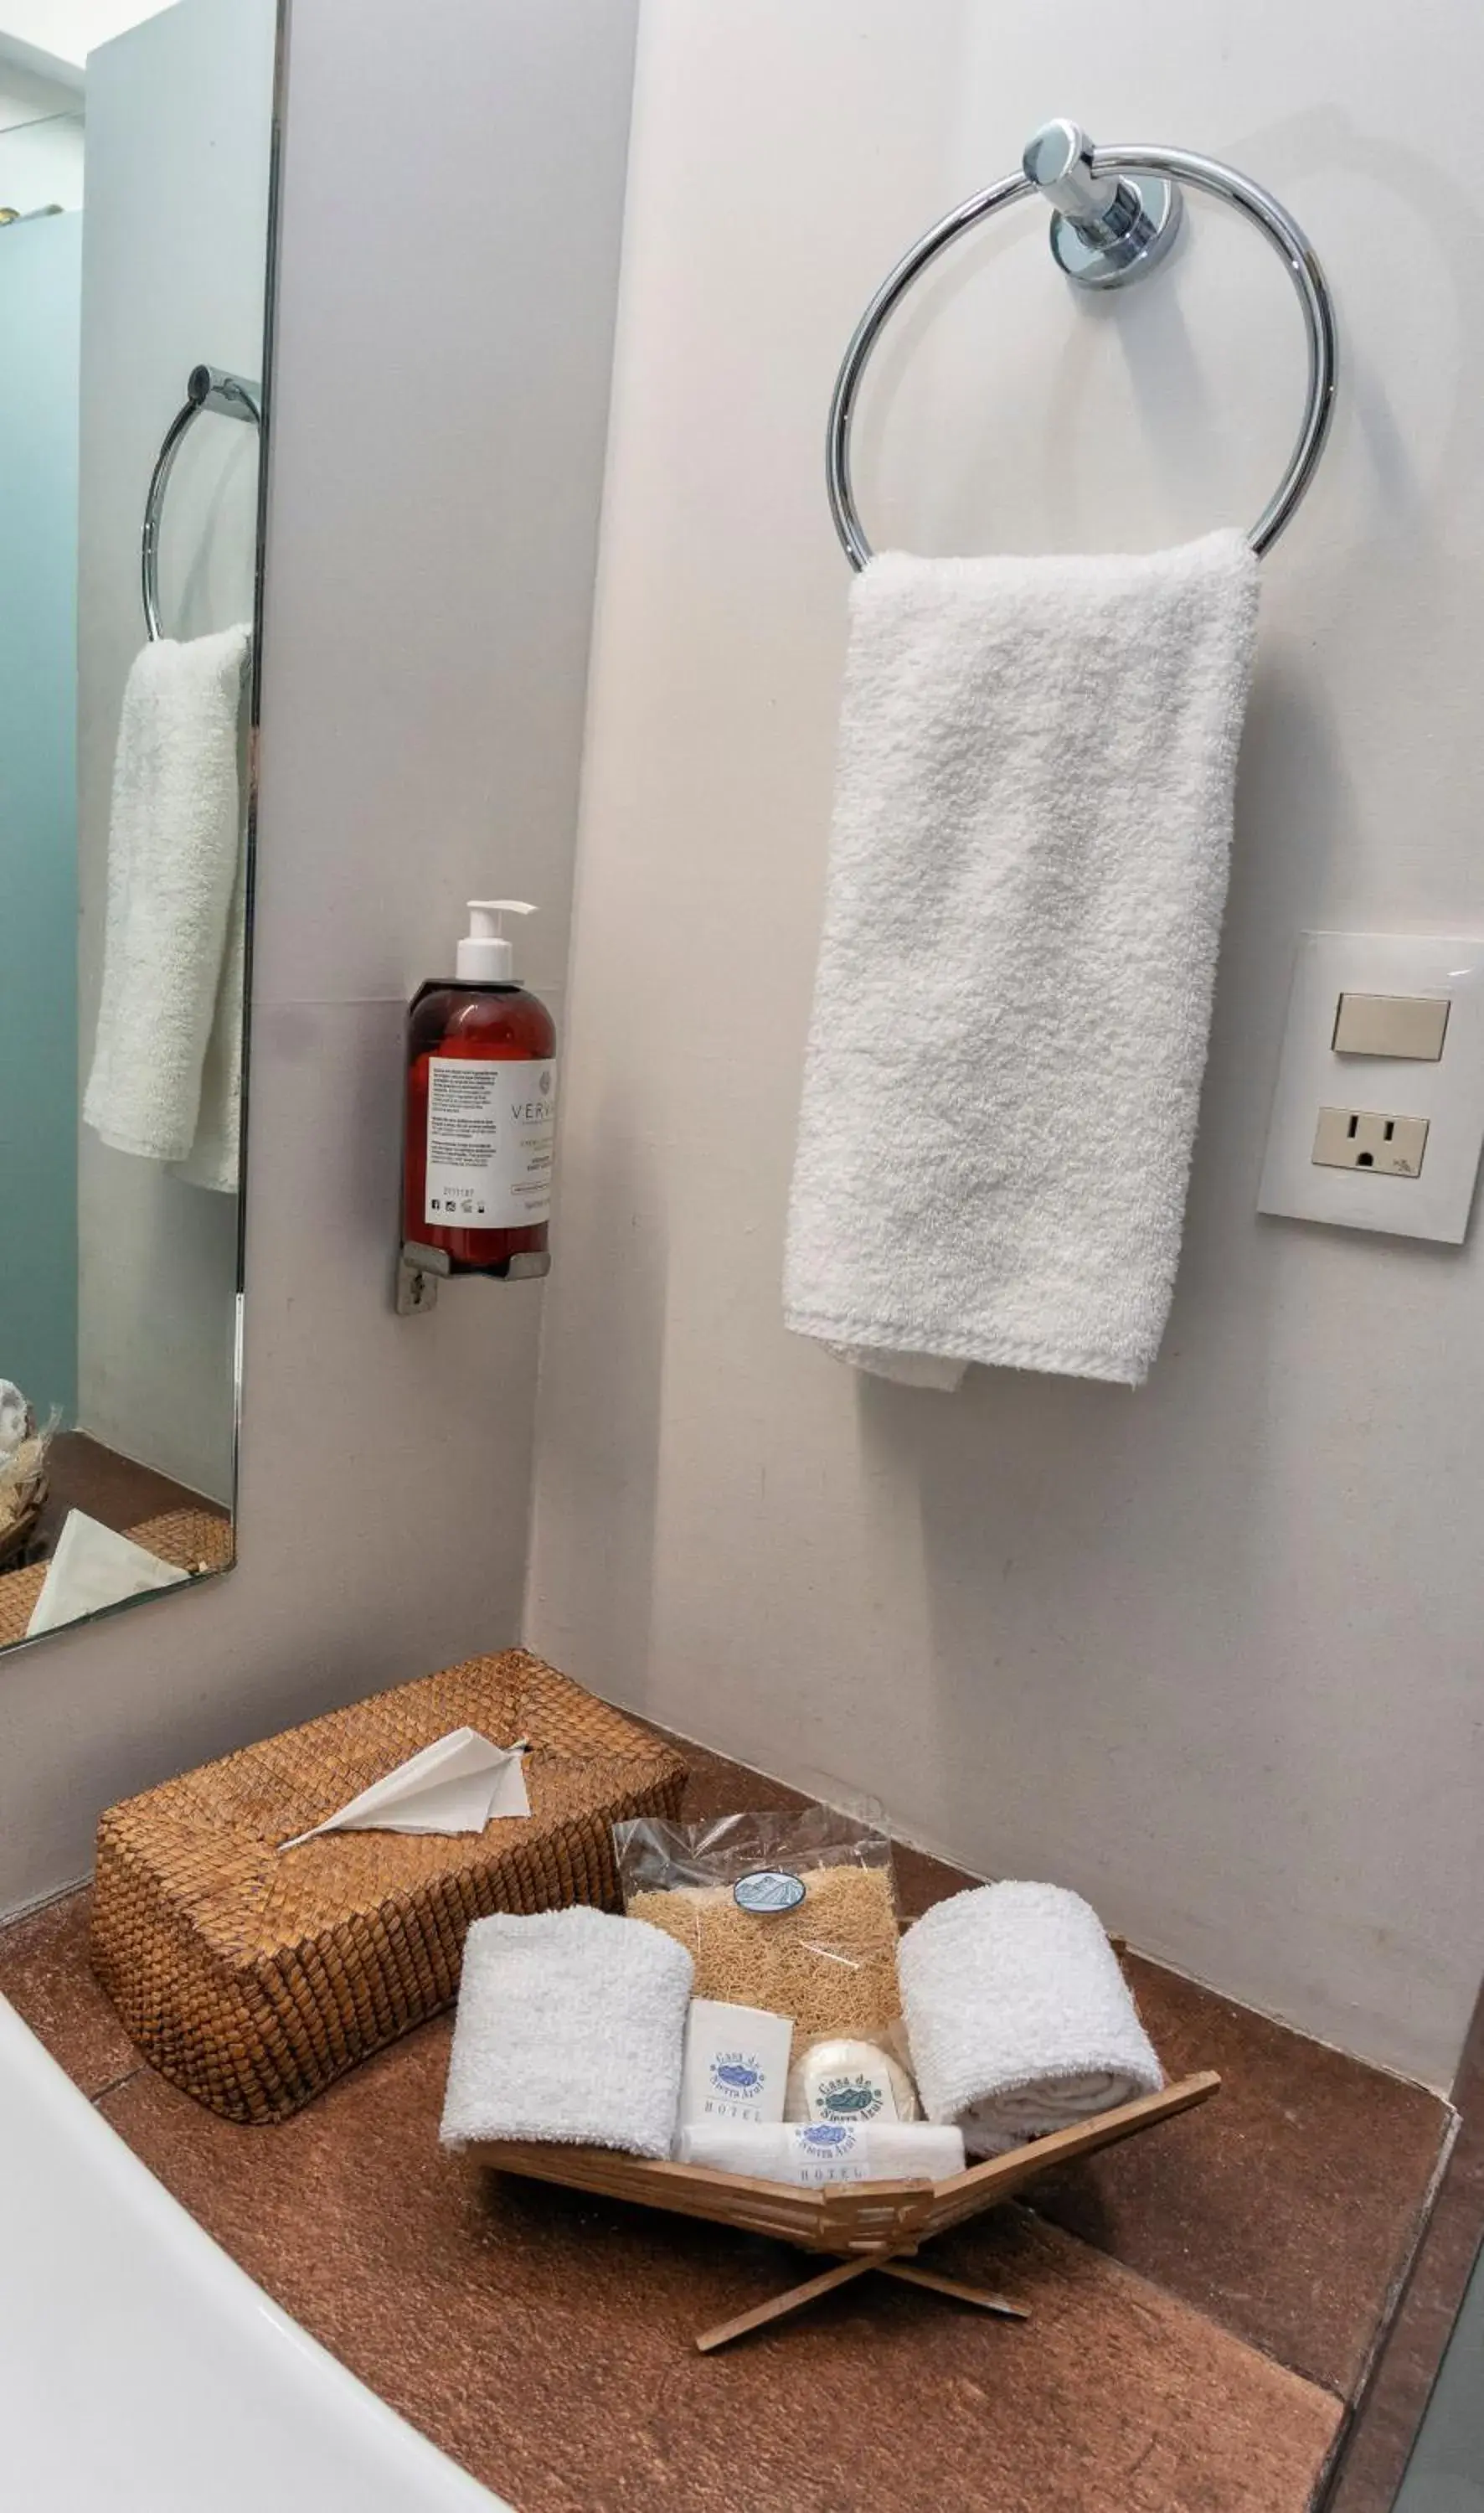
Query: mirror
x: 136, y: 155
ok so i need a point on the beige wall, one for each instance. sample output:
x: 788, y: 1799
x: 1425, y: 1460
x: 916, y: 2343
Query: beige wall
x: 449, y: 252
x: 1209, y: 1651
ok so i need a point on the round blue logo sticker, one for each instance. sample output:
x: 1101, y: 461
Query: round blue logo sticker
x: 768, y: 1888
x: 827, y: 2136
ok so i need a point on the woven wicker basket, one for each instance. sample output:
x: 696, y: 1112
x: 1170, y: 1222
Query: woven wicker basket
x: 254, y: 1978
x: 193, y: 1539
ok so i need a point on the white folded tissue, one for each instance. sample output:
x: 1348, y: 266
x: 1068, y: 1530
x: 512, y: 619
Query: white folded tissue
x: 456, y: 1784
x: 570, y: 2026
x: 814, y: 2152
x: 92, y: 1567
x: 1018, y: 2016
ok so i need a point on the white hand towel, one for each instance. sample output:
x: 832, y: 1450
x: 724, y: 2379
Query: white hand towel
x: 809, y: 2152
x: 570, y: 2026
x: 1018, y: 2018
x: 92, y: 1567
x: 174, y: 840
x: 1028, y: 868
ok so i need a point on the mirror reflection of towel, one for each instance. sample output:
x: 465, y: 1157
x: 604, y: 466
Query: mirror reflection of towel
x: 174, y: 854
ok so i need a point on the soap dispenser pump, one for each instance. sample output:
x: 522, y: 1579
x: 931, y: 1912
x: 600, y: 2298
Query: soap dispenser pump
x: 481, y: 1109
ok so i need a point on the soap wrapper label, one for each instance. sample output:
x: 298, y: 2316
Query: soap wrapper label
x: 735, y: 2065
x: 491, y: 1130
x: 820, y: 2151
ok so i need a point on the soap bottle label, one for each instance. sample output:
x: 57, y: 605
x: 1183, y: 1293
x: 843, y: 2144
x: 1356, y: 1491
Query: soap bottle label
x: 491, y: 1126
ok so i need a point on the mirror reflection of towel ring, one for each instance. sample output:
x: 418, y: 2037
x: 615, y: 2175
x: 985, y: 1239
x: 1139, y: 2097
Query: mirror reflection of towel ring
x: 207, y: 388
x: 1118, y: 211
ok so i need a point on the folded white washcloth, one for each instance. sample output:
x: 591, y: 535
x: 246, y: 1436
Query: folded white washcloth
x: 822, y: 2151
x: 1028, y: 866
x: 570, y: 2027
x: 174, y: 852
x: 1018, y: 2016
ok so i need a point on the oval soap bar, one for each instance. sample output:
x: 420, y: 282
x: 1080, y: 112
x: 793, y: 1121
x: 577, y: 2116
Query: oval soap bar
x: 851, y: 2081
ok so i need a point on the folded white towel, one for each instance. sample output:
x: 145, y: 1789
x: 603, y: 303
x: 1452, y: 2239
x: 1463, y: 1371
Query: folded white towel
x: 1028, y: 868
x: 570, y: 2026
x: 821, y: 2151
x: 1018, y: 2016
x: 174, y: 848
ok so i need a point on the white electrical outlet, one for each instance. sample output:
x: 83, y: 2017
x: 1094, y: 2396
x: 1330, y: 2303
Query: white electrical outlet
x: 1378, y: 1118
x: 1358, y: 1138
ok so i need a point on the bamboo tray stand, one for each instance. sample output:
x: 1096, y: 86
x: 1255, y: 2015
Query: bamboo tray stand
x: 867, y: 2225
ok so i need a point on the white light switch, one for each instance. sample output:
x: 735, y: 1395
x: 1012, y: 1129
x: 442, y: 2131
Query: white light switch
x: 1404, y: 1025
x: 1385, y: 1030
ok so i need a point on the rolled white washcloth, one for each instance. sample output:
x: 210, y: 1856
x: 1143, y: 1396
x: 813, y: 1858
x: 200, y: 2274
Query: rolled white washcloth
x: 820, y: 2151
x: 1018, y: 2016
x: 570, y: 2026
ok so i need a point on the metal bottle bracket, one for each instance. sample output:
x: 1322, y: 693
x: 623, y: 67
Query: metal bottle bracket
x: 419, y: 1271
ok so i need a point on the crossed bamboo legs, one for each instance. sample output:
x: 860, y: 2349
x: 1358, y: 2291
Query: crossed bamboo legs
x: 892, y: 2264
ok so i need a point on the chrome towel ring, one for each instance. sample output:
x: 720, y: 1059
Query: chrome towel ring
x: 207, y: 388
x: 1118, y: 211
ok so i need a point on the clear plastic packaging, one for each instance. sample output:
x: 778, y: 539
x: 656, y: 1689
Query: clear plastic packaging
x: 792, y: 1912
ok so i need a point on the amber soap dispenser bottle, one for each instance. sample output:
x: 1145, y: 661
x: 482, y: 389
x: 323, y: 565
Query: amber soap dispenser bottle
x: 480, y: 1107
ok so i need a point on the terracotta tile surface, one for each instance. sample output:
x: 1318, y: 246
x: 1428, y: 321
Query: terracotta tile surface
x: 45, y: 1975
x: 717, y: 1786
x: 1289, y: 2207
x: 544, y: 2339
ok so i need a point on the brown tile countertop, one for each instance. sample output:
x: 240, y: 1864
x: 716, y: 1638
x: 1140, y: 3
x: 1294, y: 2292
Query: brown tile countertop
x: 1205, y: 2300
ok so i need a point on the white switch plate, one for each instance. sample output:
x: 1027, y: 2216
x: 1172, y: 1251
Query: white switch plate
x: 1448, y: 1094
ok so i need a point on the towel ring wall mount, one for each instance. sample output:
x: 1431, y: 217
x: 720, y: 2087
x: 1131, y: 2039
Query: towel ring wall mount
x: 214, y: 389
x: 1116, y: 212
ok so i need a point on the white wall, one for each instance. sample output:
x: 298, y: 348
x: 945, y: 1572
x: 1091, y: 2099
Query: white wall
x: 1209, y: 1651
x: 40, y: 140
x: 441, y: 384
x: 174, y: 256
x: 68, y: 30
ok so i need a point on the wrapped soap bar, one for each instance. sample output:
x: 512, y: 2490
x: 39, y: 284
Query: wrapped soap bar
x: 813, y: 2153
x: 851, y: 2080
x: 736, y: 2063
